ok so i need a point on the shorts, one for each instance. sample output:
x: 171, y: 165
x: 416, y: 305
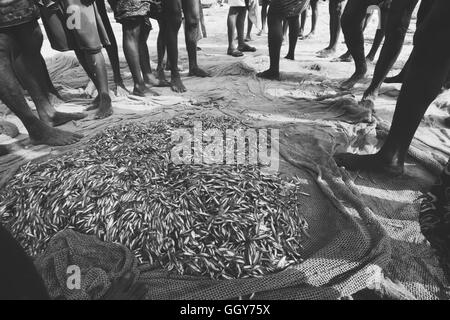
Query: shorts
x: 132, y: 9
x: 63, y: 30
x: 288, y: 8
x: 17, y: 12
x: 236, y: 3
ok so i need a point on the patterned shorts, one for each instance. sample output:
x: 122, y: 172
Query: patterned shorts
x: 288, y: 8
x: 131, y: 9
x: 17, y: 12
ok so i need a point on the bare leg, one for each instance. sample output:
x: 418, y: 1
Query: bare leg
x: 335, y: 8
x: 236, y: 21
x: 430, y: 64
x: 352, y: 20
x: 161, y: 48
x: 248, y: 37
x: 144, y: 58
x: 314, y: 18
x: 275, y: 24
x: 172, y: 15
x: 191, y: 9
x: 293, y: 36
x: 132, y: 31
x: 112, y: 50
x: 396, y: 28
x: 12, y: 96
x: 29, y: 70
x: 424, y: 9
x: 285, y: 28
x: 263, y: 17
x: 303, y: 18
x: 379, y: 36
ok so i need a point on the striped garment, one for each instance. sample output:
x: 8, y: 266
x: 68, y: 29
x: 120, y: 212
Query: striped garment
x: 288, y: 8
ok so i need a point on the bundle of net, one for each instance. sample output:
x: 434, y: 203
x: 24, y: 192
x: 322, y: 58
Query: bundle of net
x: 210, y: 220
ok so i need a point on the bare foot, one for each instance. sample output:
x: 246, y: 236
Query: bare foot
x: 197, y: 72
x: 41, y: 133
x: 177, y: 85
x: 143, y: 91
x: 371, y: 163
x: 346, y: 57
x: 260, y: 33
x: 119, y: 86
x: 269, y: 74
x: 395, y: 79
x: 124, y: 289
x: 326, y: 53
x: 104, y: 107
x: 290, y: 57
x: 248, y: 38
x: 353, y: 80
x: 60, y: 118
x: 151, y: 80
x: 309, y: 36
x: 370, y: 94
x: 162, y: 78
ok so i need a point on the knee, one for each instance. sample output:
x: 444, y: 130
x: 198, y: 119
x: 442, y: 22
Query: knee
x: 192, y: 22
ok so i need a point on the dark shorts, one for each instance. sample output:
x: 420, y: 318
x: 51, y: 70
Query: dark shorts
x: 65, y: 36
x: 288, y: 8
x: 17, y: 12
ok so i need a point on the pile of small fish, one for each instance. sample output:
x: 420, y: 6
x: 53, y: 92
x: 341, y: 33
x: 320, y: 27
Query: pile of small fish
x: 218, y: 221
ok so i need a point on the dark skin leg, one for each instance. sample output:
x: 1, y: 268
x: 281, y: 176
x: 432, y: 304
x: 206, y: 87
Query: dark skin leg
x: 285, y: 28
x: 347, y: 57
x: 293, y: 36
x: 263, y: 18
x: 11, y: 95
x: 132, y: 30
x: 47, y: 84
x: 379, y: 35
x: 144, y: 57
x: 396, y: 28
x: 236, y: 21
x: 172, y: 15
x: 29, y: 71
x: 191, y: 10
x: 314, y: 18
x: 335, y: 8
x: 248, y: 37
x: 430, y: 64
x: 424, y: 9
x: 352, y: 20
x: 275, y: 24
x: 161, y: 49
x: 95, y: 66
x: 112, y: 50
x: 303, y: 18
